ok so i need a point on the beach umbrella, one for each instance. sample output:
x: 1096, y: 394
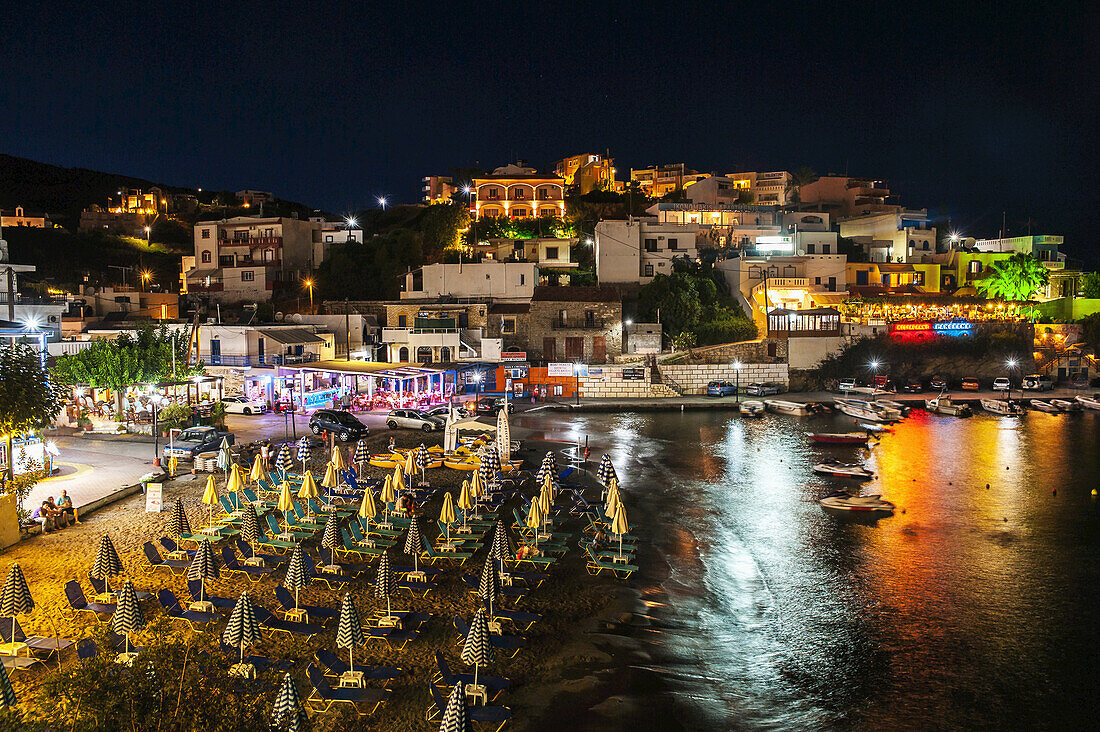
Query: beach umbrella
x: 450, y: 433
x: 236, y: 481
x: 127, y: 618
x: 422, y: 460
x: 550, y: 485
x: 385, y: 583
x: 303, y: 451
x: 296, y: 574
x: 494, y: 460
x: 286, y: 503
x: 16, y: 596
x: 447, y: 513
x: 7, y: 693
x: 414, y: 543
x: 456, y: 717
x: 243, y: 629
x: 362, y: 453
x: 368, y: 509
x: 534, y: 518
x: 330, y: 480
x: 464, y: 500
x: 288, y: 714
x: 410, y: 463
x: 611, y: 498
x: 484, y: 475
x: 488, y: 587
x: 398, y: 477
x: 106, y: 564
x: 308, y: 490
x: 225, y: 456
x: 337, y: 461
x: 606, y: 471
x: 250, y: 529
x: 258, y: 472
x: 173, y: 466
x: 331, y: 538
x: 178, y: 525
x: 477, y: 651
x: 284, y: 462
x: 388, y: 496
x: 203, y: 567
x: 619, y: 525
x: 350, y: 632
x: 504, y: 435
x: 500, y: 548
x: 210, y: 497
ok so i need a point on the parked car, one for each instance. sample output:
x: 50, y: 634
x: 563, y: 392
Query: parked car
x: 492, y: 405
x: 938, y: 383
x: 194, y: 441
x: 970, y: 384
x: 767, y: 388
x: 846, y: 385
x: 340, y: 423
x: 243, y: 405
x: 912, y: 386
x: 721, y: 388
x: 1038, y: 382
x: 413, y: 420
x: 1002, y: 384
x: 442, y: 410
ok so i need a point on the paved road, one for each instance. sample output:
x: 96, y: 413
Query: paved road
x: 92, y: 469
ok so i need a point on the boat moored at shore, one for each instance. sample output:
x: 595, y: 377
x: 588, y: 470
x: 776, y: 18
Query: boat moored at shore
x: 1005, y: 407
x: 944, y: 405
x: 838, y: 469
x: 839, y: 438
x: 752, y: 408
x: 845, y: 501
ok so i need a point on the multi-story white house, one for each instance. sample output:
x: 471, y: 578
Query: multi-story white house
x: 895, y: 236
x: 501, y: 281
x: 637, y: 250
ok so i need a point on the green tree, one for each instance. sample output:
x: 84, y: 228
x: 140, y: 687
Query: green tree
x: 1017, y: 278
x: 1090, y: 330
x: 802, y: 177
x: 1090, y: 285
x: 28, y: 400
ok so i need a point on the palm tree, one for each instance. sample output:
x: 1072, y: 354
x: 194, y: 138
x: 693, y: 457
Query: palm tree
x: 1017, y: 278
x: 801, y: 177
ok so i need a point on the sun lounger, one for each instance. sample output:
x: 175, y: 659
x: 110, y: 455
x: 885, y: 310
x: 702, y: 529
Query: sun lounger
x: 233, y: 566
x: 382, y: 541
x: 270, y: 621
x: 352, y: 547
x: 596, y: 565
x: 276, y: 530
x: 540, y: 561
x: 270, y: 560
x: 332, y: 581
x: 493, y: 684
x: 156, y: 561
x: 229, y: 509
x: 510, y: 644
x: 476, y: 713
x: 316, y: 612
x: 337, y: 666
x: 172, y: 607
x: 514, y: 592
x: 365, y: 700
x: 34, y: 642
x: 520, y: 620
x: 78, y: 603
x: 170, y: 545
x: 432, y: 555
x: 260, y: 662
x: 100, y: 586
x: 225, y: 603
x: 533, y: 580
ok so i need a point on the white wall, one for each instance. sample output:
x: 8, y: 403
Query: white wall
x: 499, y: 280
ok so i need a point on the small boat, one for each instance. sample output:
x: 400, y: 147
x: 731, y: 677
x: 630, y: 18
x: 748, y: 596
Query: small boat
x: 386, y: 460
x: 944, y: 405
x: 869, y: 411
x: 843, y: 470
x: 1005, y: 407
x: 782, y: 407
x: 752, y: 408
x: 1041, y: 406
x: 902, y: 409
x: 840, y: 438
x: 845, y: 501
x: 876, y: 428
x: 1065, y: 405
x: 1088, y: 402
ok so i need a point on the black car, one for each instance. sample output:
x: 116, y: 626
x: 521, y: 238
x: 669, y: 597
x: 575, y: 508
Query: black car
x: 912, y: 386
x: 342, y: 424
x: 492, y: 405
x: 938, y: 383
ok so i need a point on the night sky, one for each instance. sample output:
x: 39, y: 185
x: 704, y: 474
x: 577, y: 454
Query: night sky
x: 969, y: 111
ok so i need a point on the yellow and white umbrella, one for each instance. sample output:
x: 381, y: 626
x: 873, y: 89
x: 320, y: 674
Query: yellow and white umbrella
x: 258, y: 472
x: 330, y: 480
x: 398, y: 477
x: 286, y: 502
x: 612, y: 498
x: 447, y: 513
x: 619, y: 524
x: 534, y: 518
x: 477, y: 487
x: 368, y: 509
x: 338, y: 462
x: 410, y: 463
x: 388, y: 494
x: 235, y: 483
x: 548, y: 485
x: 464, y: 500
x: 210, y: 496
x: 308, y: 490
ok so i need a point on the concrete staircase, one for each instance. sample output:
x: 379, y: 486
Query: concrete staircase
x: 658, y: 391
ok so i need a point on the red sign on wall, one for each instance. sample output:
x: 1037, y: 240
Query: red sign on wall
x: 513, y: 356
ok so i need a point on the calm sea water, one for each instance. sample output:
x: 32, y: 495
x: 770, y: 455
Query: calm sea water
x: 973, y: 606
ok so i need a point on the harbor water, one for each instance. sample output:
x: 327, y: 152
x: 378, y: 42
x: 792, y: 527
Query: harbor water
x: 975, y: 605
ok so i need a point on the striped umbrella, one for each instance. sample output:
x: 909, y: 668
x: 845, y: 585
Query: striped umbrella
x: 250, y: 529
x: 284, y: 462
x: 484, y: 475
x: 258, y: 472
x: 350, y: 632
x: 303, y: 451
x: 447, y: 513
x: 243, y: 629
x: 494, y: 459
x: 296, y: 573
x: 500, y: 548
x: 455, y: 716
x: 210, y: 497
x: 178, y: 525
x: 488, y: 588
x: 16, y: 596
x: 414, y: 543
x: 422, y: 460
x: 384, y: 583
x: 203, y: 567
x: 619, y: 524
x: 288, y: 714
x: 7, y: 693
x: 106, y: 564
x: 331, y: 538
x: 127, y: 618
x: 362, y: 453
x: 606, y: 471
x: 337, y: 460
x: 477, y: 650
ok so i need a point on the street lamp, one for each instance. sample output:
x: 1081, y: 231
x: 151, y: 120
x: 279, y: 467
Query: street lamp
x: 737, y: 383
x: 1011, y: 364
x: 382, y: 203
x: 309, y: 285
x: 145, y: 275
x: 148, y: 236
x: 874, y: 380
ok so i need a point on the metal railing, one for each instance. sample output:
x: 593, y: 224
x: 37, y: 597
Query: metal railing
x: 578, y: 324
x: 274, y: 359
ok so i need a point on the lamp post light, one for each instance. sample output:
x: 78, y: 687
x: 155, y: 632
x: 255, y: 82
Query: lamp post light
x: 145, y: 275
x: 309, y: 285
x: 1011, y: 364
x: 382, y: 203
x: 737, y: 383
x: 874, y: 380
x: 148, y: 236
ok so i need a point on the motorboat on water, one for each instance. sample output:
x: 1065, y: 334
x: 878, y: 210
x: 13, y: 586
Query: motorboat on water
x: 876, y: 428
x: 780, y: 406
x: 1091, y: 402
x: 1065, y: 405
x: 752, y: 408
x: 843, y: 470
x: 1005, y: 407
x: 840, y: 438
x: 1041, y: 406
x: 944, y: 405
x: 868, y: 411
x: 845, y: 501
x: 902, y: 409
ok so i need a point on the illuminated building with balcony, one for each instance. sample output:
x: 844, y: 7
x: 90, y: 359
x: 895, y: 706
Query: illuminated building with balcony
x: 893, y: 236
x: 588, y: 172
x: 844, y: 196
x: 518, y: 193
x: 660, y: 180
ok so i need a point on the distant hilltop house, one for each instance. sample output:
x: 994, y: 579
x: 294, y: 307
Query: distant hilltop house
x: 588, y: 172
x: 18, y: 217
x: 132, y: 209
x: 254, y: 198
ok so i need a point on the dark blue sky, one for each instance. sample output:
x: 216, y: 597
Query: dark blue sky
x: 967, y: 110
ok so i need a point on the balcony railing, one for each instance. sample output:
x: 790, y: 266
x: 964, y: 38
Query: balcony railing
x: 578, y: 324
x: 274, y: 359
x: 254, y: 241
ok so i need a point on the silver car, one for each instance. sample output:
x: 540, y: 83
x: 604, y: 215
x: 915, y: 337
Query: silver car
x: 412, y: 420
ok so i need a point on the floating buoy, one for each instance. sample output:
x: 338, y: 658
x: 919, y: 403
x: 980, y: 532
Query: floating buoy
x: 1094, y: 491
x: 1006, y: 519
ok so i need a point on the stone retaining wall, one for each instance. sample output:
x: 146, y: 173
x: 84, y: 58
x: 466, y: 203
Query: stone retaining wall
x: 693, y: 379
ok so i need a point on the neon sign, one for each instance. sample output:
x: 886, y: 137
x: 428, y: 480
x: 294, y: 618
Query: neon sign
x: 898, y: 327
x: 959, y: 327
x: 924, y: 330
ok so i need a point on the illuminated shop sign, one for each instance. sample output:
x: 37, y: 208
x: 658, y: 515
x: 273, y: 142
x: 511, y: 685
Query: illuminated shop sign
x: 924, y: 330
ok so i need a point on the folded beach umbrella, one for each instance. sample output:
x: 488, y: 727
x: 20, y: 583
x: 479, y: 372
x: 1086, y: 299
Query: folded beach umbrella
x: 456, y: 717
x: 203, y: 567
x: 500, y: 549
x: 286, y: 503
x: 210, y: 497
x: 606, y: 471
x: 331, y: 538
x: 619, y: 524
x: 362, y: 453
x: 330, y: 480
x: 534, y: 517
x: 484, y: 474
x: 477, y: 651
x: 296, y: 574
x: 178, y: 525
x: 337, y: 460
x: 303, y: 451
x: 494, y: 460
x: 288, y: 715
x: 385, y: 583
x: 422, y: 460
x: 106, y: 564
x: 447, y: 513
x: 414, y: 543
x: 284, y: 462
x: 389, y: 495
x: 16, y: 596
x: 488, y: 587
x: 7, y: 693
x: 243, y: 629
x: 258, y: 472
x: 410, y: 463
x: 127, y: 618
x: 398, y: 477
x: 350, y: 631
x: 225, y: 456
x: 250, y: 528
x: 611, y: 498
x: 236, y: 481
x: 368, y: 509
x: 308, y: 490
x: 464, y: 500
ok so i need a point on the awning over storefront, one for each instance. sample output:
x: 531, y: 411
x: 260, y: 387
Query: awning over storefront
x: 292, y: 336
